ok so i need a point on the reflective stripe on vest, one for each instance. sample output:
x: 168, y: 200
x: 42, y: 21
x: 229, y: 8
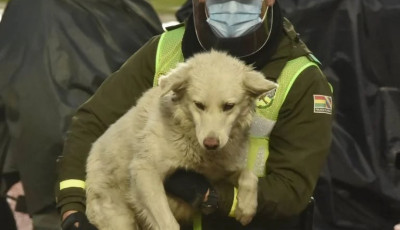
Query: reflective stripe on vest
x: 169, y: 54
x: 72, y: 183
x: 267, y: 111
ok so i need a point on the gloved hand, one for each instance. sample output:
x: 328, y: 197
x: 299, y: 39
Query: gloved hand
x: 189, y: 186
x: 81, y: 219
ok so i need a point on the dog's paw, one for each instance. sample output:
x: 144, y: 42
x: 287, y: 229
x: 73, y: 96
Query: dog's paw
x: 245, y: 211
x: 246, y: 198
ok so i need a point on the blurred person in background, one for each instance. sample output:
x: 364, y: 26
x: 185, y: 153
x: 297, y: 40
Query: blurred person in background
x: 54, y: 54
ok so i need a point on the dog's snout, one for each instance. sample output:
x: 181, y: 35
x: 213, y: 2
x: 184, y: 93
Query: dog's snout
x: 211, y: 143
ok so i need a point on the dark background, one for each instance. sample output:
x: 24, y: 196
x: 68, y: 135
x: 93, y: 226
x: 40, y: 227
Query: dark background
x: 357, y: 42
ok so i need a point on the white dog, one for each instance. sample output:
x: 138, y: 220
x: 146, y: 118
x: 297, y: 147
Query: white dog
x: 198, y: 118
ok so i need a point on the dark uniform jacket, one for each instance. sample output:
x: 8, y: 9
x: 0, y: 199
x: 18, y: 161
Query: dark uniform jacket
x: 299, y: 142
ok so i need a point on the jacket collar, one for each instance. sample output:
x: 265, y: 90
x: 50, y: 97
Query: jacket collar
x: 284, y: 45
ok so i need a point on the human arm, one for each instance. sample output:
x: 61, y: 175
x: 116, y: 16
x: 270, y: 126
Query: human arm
x: 299, y: 144
x: 74, y: 220
x: 114, y: 97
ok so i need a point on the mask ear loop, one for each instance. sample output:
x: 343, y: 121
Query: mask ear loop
x: 206, y: 11
x: 269, y: 29
x: 265, y: 14
x: 206, y: 14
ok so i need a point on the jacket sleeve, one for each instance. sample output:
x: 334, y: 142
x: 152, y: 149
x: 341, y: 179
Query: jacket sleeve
x: 112, y: 99
x: 299, y: 144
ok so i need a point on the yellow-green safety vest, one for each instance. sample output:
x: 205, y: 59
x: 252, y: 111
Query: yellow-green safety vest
x: 169, y: 54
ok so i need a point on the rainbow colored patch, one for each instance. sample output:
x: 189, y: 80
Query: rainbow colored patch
x: 322, y: 104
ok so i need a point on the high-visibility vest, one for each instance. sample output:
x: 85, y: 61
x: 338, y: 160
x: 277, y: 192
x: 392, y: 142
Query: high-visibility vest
x: 169, y: 54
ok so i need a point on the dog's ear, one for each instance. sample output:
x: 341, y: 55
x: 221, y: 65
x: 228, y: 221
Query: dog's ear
x: 175, y: 81
x: 256, y: 84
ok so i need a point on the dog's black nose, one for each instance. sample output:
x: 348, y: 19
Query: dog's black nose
x: 211, y: 143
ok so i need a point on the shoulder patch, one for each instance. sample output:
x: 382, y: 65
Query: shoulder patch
x: 322, y: 104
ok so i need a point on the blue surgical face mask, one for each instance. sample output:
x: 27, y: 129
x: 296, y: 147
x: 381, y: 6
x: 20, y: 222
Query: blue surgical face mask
x: 233, y: 18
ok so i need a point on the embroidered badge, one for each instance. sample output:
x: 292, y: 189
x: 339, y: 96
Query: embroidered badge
x: 322, y: 104
x: 266, y: 100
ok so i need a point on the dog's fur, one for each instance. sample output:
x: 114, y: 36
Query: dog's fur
x: 197, y: 118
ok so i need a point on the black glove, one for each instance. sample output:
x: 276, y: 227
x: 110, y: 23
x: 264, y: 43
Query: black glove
x: 188, y: 186
x: 69, y: 222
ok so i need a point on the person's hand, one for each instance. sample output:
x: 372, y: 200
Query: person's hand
x: 396, y: 227
x: 189, y: 186
x: 74, y: 220
x: 67, y: 213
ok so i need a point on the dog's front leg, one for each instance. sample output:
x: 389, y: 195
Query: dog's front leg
x: 149, y: 198
x: 246, y: 197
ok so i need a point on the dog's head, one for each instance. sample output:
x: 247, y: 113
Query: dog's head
x: 217, y: 93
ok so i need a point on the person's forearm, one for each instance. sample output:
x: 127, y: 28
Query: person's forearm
x: 299, y: 144
x: 112, y: 99
x: 284, y: 195
x: 67, y: 213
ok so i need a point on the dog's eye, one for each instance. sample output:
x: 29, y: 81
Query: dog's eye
x: 200, y: 105
x: 228, y: 106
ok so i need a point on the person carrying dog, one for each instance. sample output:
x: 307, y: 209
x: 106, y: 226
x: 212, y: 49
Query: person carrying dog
x: 287, y: 159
